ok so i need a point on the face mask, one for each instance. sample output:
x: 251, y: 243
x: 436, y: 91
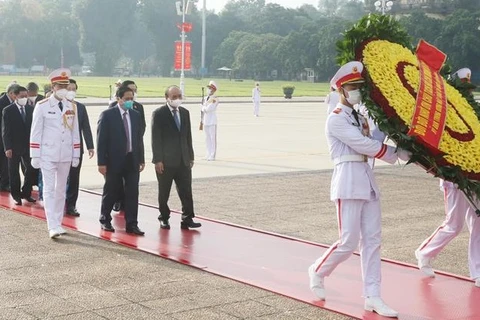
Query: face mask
x: 128, y: 104
x: 175, y: 103
x: 61, y: 93
x: 209, y: 92
x: 135, y: 96
x: 22, y: 101
x: 32, y: 99
x: 354, y: 97
x: 71, y: 95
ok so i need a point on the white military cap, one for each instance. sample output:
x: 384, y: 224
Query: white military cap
x: 464, y: 74
x: 350, y: 72
x: 60, y: 76
x: 212, y: 85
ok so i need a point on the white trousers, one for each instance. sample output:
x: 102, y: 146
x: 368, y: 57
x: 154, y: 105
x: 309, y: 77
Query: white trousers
x: 359, y: 221
x: 54, y: 176
x: 256, y: 108
x: 211, y: 141
x: 457, y: 211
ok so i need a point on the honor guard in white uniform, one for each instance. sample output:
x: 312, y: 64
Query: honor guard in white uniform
x: 332, y: 99
x: 457, y: 211
x: 209, y: 120
x: 54, y: 147
x: 354, y: 191
x: 256, y: 98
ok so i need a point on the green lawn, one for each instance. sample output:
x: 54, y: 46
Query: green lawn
x: 155, y: 87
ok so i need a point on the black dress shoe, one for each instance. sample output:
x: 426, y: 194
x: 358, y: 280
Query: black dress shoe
x: 30, y: 199
x: 135, y: 230
x: 107, y: 227
x: 118, y: 206
x: 73, y: 212
x: 190, y: 225
x: 164, y: 225
x: 18, y: 201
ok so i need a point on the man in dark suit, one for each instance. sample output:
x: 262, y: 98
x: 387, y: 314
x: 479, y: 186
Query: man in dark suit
x: 119, y: 204
x: 5, y: 100
x: 173, y: 157
x: 120, y: 155
x: 33, y: 98
x: 16, y: 125
x: 85, y: 133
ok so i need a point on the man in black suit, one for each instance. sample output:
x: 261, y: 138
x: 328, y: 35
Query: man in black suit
x: 16, y: 125
x: 120, y: 155
x: 5, y: 100
x: 85, y: 133
x: 119, y: 204
x: 173, y: 157
x: 33, y: 98
x: 32, y: 92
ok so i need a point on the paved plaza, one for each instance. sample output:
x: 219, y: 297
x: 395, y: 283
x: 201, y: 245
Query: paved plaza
x: 272, y: 173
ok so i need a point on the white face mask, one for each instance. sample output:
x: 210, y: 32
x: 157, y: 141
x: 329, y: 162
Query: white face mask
x: 354, y: 97
x: 22, y: 101
x: 175, y: 103
x: 209, y: 92
x: 61, y: 93
x: 71, y: 95
x: 32, y: 99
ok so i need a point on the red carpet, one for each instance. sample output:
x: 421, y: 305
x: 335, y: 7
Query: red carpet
x: 277, y: 263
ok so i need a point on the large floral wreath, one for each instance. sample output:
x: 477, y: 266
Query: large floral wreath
x: 392, y: 74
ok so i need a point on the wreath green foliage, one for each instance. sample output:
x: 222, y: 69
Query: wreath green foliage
x: 384, y: 27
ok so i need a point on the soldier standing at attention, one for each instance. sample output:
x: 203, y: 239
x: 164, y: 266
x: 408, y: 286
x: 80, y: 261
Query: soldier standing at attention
x: 209, y: 111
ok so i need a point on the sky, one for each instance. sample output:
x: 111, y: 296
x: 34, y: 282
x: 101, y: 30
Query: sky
x: 218, y: 5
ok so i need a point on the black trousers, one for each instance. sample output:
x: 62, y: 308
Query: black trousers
x: 73, y: 186
x: 14, y: 174
x: 111, y: 189
x: 183, y: 180
x: 4, y: 176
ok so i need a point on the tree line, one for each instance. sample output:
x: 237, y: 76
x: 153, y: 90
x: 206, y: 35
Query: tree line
x: 249, y: 36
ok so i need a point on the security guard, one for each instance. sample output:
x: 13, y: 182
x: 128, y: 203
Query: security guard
x: 457, y: 211
x: 354, y: 191
x: 54, y: 147
x: 209, y: 120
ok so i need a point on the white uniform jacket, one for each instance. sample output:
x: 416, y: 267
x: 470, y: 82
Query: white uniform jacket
x: 55, y: 136
x: 256, y: 95
x: 350, y: 146
x: 209, y: 109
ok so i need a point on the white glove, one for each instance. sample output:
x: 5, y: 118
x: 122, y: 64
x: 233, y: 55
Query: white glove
x: 75, y: 162
x: 36, y: 163
x: 404, y: 154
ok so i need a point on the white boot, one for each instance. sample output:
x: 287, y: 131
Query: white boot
x: 425, y: 265
x: 376, y: 304
x: 477, y: 282
x: 53, y: 233
x: 316, y: 283
x: 61, y: 230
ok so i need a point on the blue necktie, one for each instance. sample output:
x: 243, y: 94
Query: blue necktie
x: 60, y: 105
x: 175, y: 117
